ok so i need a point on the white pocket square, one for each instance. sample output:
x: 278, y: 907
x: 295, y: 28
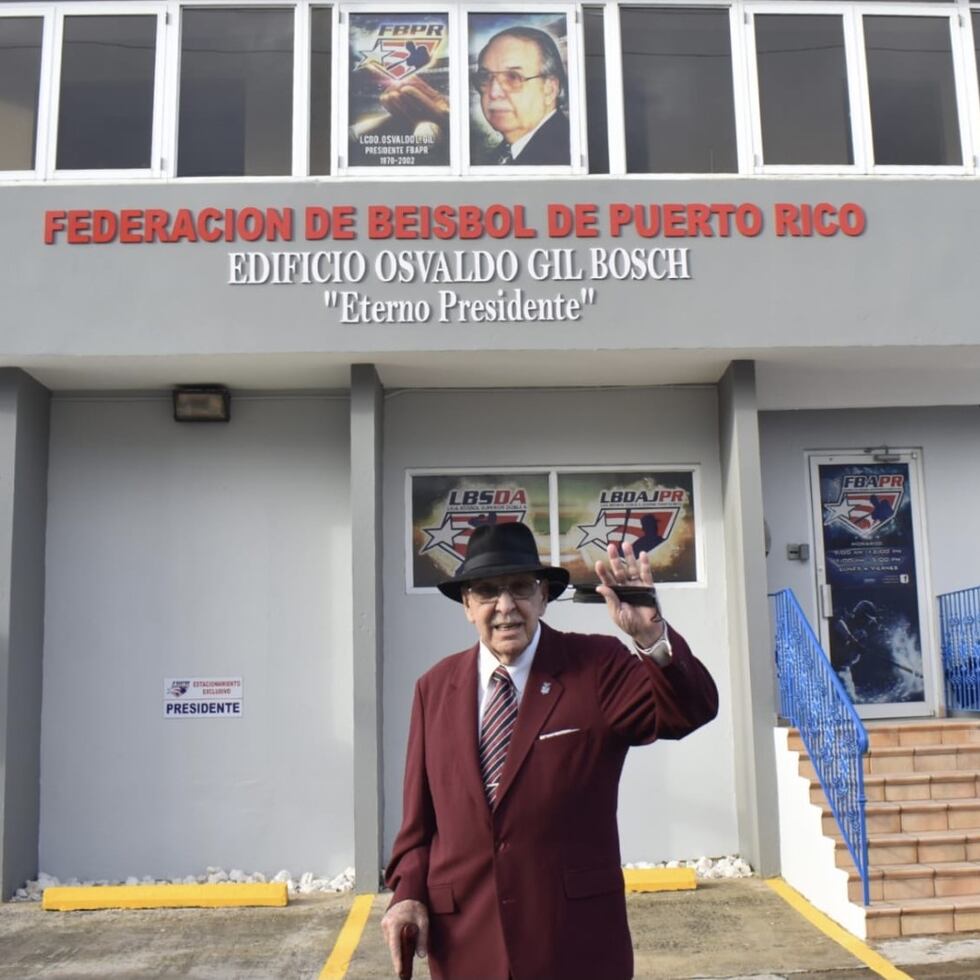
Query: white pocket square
x: 564, y: 731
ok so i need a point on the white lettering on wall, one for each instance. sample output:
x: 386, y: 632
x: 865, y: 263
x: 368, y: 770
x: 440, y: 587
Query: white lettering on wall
x: 480, y: 270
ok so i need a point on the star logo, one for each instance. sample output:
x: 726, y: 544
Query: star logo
x: 599, y: 531
x: 452, y: 536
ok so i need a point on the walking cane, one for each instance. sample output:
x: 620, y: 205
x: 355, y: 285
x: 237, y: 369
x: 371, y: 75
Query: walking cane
x: 407, y: 939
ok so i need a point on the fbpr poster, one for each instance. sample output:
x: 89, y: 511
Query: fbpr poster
x: 398, y: 109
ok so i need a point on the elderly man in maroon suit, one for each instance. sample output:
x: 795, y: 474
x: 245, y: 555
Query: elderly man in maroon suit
x: 507, y: 860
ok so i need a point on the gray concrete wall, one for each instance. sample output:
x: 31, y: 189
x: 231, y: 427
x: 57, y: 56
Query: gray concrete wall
x: 753, y: 681
x: 949, y: 439
x: 24, y: 420
x: 677, y: 800
x: 197, y: 550
x: 911, y: 265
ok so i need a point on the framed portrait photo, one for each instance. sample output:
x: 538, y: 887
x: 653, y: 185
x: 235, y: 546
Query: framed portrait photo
x: 399, y: 91
x: 520, y: 112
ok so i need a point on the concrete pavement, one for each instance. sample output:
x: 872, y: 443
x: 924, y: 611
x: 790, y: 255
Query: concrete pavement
x: 724, y: 929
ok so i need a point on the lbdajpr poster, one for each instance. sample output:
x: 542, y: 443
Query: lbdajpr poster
x: 519, y: 89
x: 447, y: 509
x: 653, y: 511
x: 398, y: 90
x: 869, y: 552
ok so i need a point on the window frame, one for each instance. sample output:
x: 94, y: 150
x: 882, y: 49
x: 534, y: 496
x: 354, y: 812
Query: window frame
x: 968, y: 52
x: 575, y: 70
x: 299, y: 155
x: 955, y: 23
x: 856, y: 115
x: 615, y: 93
x: 858, y: 87
x: 459, y: 147
x: 46, y: 15
x: 747, y: 121
x: 303, y: 101
x: 341, y: 100
x: 61, y: 11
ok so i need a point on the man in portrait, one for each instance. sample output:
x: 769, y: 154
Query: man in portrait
x: 523, y: 93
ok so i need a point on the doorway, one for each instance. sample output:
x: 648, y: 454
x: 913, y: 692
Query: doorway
x: 872, y: 579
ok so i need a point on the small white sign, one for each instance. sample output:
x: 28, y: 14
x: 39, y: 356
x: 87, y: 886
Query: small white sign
x: 198, y: 697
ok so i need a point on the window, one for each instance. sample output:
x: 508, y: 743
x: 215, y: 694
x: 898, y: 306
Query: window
x: 595, y: 90
x: 105, y: 107
x: 20, y: 81
x: 913, y: 95
x: 677, y: 90
x: 975, y: 19
x: 236, y: 93
x: 321, y: 56
x: 245, y: 88
x: 803, y: 93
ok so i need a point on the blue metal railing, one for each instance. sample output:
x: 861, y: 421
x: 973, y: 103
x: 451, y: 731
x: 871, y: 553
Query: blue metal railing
x: 959, y: 626
x: 812, y: 697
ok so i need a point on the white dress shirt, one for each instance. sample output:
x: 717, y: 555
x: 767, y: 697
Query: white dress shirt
x: 519, y: 670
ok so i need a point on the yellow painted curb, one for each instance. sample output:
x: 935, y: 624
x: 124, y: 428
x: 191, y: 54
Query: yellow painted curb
x: 350, y: 935
x: 72, y: 899
x: 660, y: 879
x: 856, y: 947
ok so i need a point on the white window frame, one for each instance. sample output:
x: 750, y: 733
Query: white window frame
x: 972, y: 86
x: 459, y: 162
x: 339, y: 145
x: 859, y: 93
x: 554, y: 473
x: 46, y: 16
x: 154, y: 171
x: 856, y: 114
x: 747, y: 116
x: 615, y: 96
x: 303, y: 95
x: 299, y: 157
x: 954, y: 20
x: 574, y: 66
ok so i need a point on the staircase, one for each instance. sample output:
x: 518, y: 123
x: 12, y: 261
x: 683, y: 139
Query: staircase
x: 922, y: 781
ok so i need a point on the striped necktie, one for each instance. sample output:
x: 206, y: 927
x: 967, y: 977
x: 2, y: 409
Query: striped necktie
x: 499, y: 716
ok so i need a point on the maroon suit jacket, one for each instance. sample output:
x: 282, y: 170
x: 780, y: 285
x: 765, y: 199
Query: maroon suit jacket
x: 533, y: 889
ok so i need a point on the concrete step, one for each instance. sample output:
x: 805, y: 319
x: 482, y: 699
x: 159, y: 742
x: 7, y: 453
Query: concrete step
x: 922, y: 783
x: 913, y: 817
x: 898, y: 882
x: 928, y: 847
x: 936, y: 732
x: 892, y: 734
x: 911, y: 759
x: 899, y: 787
x: 923, y: 917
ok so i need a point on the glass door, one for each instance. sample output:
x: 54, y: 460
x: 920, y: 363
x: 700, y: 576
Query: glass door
x: 875, y: 619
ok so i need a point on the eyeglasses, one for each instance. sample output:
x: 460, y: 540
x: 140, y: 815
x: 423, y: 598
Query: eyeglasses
x: 518, y: 588
x: 509, y: 79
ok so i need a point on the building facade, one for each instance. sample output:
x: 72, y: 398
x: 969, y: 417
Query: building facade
x: 734, y: 308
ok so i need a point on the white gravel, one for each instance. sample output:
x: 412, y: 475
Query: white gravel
x: 306, y: 884
x: 730, y: 866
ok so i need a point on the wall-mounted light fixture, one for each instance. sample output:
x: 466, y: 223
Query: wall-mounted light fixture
x: 201, y: 403
x: 882, y: 454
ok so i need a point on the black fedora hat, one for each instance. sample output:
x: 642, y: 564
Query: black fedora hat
x: 503, y: 549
